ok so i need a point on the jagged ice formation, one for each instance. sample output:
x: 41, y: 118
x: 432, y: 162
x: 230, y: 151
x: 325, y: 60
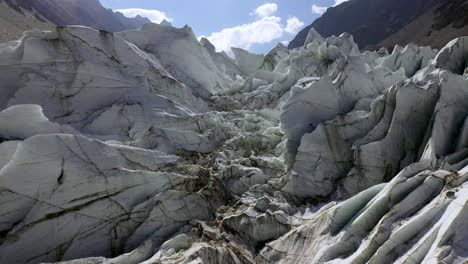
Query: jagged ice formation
x: 148, y: 146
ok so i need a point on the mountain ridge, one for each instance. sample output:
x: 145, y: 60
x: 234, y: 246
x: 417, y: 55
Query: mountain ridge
x: 88, y: 13
x: 372, y: 22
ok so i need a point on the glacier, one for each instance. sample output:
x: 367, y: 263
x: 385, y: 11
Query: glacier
x: 149, y: 146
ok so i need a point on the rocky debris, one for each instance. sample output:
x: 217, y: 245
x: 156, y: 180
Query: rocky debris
x: 148, y: 146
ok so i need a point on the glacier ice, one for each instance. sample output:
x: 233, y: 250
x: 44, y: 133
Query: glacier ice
x: 149, y: 146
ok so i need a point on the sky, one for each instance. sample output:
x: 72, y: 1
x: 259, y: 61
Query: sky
x: 253, y: 25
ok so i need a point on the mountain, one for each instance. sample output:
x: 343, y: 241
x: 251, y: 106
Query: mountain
x: 376, y: 22
x: 148, y: 146
x: 14, y: 22
x: 435, y: 27
x: 78, y: 12
x: 166, y: 23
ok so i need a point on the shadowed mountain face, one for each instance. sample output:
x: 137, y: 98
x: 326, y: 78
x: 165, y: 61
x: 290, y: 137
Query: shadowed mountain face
x: 369, y: 21
x: 13, y: 22
x: 78, y: 12
x: 455, y: 12
x: 435, y: 27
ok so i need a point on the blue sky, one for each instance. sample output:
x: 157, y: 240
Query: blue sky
x: 250, y: 24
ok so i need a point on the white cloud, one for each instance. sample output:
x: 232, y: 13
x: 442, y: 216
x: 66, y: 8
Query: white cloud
x: 244, y: 36
x: 266, y: 10
x: 155, y: 16
x: 265, y: 29
x: 293, y: 25
x: 319, y: 9
x: 338, y: 2
x: 285, y: 42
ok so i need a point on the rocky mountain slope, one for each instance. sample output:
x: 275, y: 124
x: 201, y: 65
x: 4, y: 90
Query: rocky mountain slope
x: 147, y: 146
x: 14, y: 23
x: 382, y: 23
x: 77, y: 12
x: 435, y: 27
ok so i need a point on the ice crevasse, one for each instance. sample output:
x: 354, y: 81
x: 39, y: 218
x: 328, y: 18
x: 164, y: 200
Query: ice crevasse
x: 149, y: 146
